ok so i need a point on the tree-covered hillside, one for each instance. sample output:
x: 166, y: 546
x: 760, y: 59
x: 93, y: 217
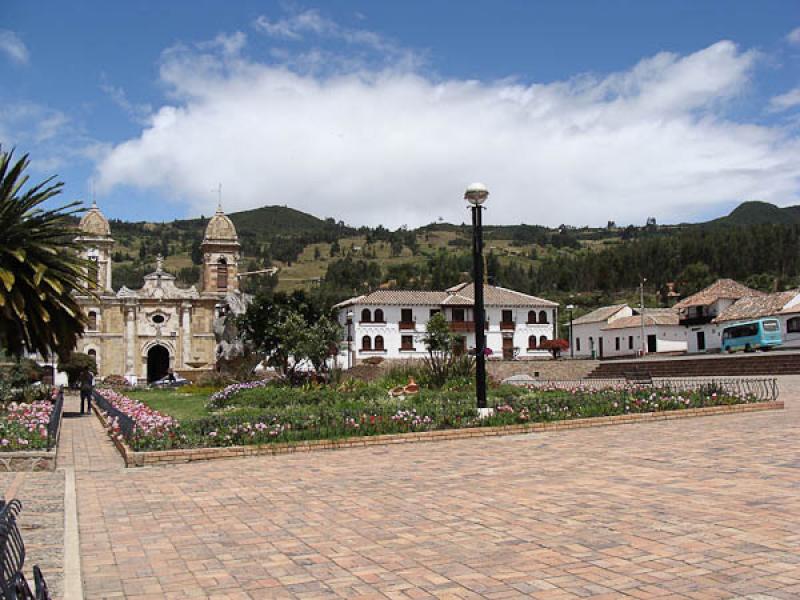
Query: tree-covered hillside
x: 588, y: 265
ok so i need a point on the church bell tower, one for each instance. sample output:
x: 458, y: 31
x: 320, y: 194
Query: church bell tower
x: 96, y: 244
x: 220, y: 249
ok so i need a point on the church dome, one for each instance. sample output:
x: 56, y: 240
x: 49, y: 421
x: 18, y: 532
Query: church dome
x: 220, y: 228
x: 94, y: 223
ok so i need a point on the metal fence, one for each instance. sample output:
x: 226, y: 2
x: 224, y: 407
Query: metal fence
x: 55, y: 420
x: 126, y: 424
x: 764, y: 389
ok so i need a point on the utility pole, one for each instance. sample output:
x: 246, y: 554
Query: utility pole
x: 641, y: 312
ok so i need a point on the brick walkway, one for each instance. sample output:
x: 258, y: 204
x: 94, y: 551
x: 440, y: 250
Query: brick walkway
x: 702, y: 508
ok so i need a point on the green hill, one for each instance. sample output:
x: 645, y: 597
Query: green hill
x: 760, y: 213
x: 270, y: 221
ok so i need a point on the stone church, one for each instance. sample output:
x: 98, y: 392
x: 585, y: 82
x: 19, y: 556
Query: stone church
x: 143, y: 333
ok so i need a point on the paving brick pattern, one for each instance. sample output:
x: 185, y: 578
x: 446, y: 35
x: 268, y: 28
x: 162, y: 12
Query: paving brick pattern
x: 701, y: 508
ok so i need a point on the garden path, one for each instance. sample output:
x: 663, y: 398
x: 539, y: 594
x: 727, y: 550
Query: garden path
x: 694, y: 509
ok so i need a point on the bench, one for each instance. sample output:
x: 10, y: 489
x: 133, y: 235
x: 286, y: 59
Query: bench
x: 13, y: 585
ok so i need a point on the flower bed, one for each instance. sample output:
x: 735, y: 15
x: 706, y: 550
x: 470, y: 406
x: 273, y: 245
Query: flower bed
x: 268, y: 413
x: 24, y: 426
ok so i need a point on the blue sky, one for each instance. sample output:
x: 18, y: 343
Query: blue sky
x: 573, y: 112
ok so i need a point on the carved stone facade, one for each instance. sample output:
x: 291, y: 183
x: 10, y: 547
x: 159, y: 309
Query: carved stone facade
x: 143, y: 333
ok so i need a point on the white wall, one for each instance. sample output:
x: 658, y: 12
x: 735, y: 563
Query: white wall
x: 392, y: 334
x: 586, y: 337
x: 713, y: 335
x: 669, y: 338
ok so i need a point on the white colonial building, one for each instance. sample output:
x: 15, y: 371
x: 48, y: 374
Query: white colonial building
x: 392, y: 323
x: 615, y: 331
x: 698, y: 313
x: 784, y: 306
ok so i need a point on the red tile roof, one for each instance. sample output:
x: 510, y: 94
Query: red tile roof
x: 721, y: 288
x: 460, y: 295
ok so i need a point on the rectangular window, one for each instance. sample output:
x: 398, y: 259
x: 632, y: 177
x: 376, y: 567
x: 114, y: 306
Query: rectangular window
x: 458, y: 315
x: 507, y: 316
x: 407, y: 342
x: 435, y: 311
x: 630, y: 342
x: 770, y: 326
x: 616, y: 344
x: 578, y: 344
x: 406, y: 315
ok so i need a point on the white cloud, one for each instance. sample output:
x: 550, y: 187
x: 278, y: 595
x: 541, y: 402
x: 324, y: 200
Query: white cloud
x: 138, y: 112
x: 393, y: 146
x: 13, y: 47
x: 311, y: 23
x: 785, y: 101
x: 794, y: 36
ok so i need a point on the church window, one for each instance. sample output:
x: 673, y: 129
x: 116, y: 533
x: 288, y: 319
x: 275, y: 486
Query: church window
x: 158, y: 319
x: 92, y: 320
x: 222, y: 274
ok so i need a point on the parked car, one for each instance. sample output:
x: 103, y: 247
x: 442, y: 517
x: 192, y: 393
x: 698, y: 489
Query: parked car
x: 172, y: 380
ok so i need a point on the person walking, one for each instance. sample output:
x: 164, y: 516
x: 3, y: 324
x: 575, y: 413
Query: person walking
x: 87, y: 387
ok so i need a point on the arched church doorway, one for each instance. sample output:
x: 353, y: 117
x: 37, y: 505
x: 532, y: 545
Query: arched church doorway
x: 157, y: 363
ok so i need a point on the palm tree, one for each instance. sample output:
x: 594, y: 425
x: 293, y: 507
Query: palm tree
x: 40, y: 268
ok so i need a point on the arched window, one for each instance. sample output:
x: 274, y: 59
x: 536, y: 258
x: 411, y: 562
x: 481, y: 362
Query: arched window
x: 92, y: 353
x: 366, y: 343
x: 793, y: 325
x: 379, y: 342
x: 222, y: 274
x: 531, y: 316
x: 542, y: 316
x: 92, y: 320
x: 542, y: 338
x: 378, y: 316
x: 532, y: 342
x: 366, y: 316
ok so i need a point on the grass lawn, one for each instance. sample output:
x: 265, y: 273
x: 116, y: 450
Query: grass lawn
x: 173, y: 402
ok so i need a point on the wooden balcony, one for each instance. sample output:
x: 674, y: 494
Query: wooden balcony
x: 462, y: 326
x: 407, y: 325
x: 508, y: 325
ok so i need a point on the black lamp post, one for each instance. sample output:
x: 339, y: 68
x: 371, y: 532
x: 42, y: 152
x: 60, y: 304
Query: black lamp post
x: 570, y: 308
x: 476, y: 195
x: 349, y: 339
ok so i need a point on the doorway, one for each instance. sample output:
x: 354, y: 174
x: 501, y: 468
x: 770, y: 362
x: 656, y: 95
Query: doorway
x: 651, y: 343
x: 157, y: 363
x: 508, y: 348
x: 701, y: 341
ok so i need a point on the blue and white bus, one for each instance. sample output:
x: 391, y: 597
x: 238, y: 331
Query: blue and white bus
x: 762, y: 334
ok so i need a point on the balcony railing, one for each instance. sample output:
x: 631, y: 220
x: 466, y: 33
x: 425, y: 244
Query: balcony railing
x: 462, y: 326
x: 508, y: 325
x: 690, y: 321
x: 407, y: 325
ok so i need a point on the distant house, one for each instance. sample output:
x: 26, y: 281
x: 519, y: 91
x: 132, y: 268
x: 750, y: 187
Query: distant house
x: 613, y: 331
x: 697, y: 313
x: 784, y: 306
x: 393, y: 323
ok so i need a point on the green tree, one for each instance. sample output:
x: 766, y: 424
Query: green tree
x: 321, y: 343
x: 439, y: 342
x: 74, y: 364
x: 694, y: 278
x: 283, y: 328
x: 40, y: 269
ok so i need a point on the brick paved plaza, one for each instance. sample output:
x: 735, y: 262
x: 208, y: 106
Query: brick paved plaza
x: 694, y: 508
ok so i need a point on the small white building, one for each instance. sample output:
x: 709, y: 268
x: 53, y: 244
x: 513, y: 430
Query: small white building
x: 784, y: 306
x: 698, y: 313
x: 393, y: 323
x: 587, y: 330
x: 616, y: 331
